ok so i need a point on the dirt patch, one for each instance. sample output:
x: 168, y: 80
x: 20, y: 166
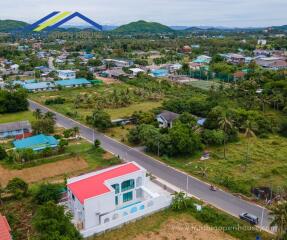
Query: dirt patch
x: 44, y: 171
x: 184, y: 229
x: 107, y: 156
x: 108, y: 80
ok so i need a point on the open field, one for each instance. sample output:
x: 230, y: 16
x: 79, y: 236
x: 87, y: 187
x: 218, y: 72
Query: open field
x: 87, y: 102
x: 14, y: 117
x: 45, y: 171
x: 128, y: 111
x: 204, y: 84
x: 267, y: 165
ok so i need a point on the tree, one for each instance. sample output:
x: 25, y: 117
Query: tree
x: 97, y: 143
x: 225, y: 124
x: 180, y: 201
x: 43, y: 126
x: 52, y: 223
x: 100, y: 119
x: 250, y: 127
x: 47, y: 192
x: 1, y: 192
x: 17, y: 187
x: 279, y: 220
x: 3, y: 153
x: 37, y: 114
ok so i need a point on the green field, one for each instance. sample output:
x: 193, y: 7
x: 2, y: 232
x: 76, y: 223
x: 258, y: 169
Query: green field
x: 14, y: 117
x: 267, y: 165
x: 86, y: 109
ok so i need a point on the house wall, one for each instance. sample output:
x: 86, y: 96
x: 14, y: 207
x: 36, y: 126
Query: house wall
x: 12, y: 133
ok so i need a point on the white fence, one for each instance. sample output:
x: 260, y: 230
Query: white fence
x: 125, y: 215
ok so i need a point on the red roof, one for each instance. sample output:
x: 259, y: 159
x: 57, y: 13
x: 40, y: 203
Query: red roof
x: 25, y: 135
x: 95, y: 185
x: 4, y: 229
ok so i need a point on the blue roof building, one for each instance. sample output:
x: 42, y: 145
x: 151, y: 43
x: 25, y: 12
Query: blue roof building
x: 39, y: 86
x: 36, y: 143
x: 159, y: 73
x: 77, y: 82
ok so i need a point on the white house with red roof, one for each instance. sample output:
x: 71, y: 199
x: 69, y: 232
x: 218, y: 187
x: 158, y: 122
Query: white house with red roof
x: 108, y: 198
x: 4, y: 229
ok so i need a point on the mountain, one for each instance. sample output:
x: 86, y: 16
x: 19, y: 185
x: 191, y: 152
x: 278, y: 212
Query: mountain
x: 11, y: 25
x: 142, y: 27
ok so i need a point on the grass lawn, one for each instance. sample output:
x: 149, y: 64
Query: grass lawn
x: 14, y: 117
x: 204, y: 84
x: 267, y: 165
x: 86, y: 109
x: 128, y: 111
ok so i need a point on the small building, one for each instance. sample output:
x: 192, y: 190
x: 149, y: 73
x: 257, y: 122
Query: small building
x: 5, y: 230
x: 36, y: 143
x: 14, y: 129
x: 109, y: 198
x: 72, y: 83
x: 186, y: 49
x: 114, y: 73
x: 117, y: 63
x: 238, y: 75
x: 166, y: 119
x: 159, y: 73
x: 39, y: 86
x: 136, y: 71
x: 66, y: 74
x: 202, y: 59
x: 272, y: 63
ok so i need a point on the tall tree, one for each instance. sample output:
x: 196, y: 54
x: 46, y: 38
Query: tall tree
x: 279, y: 220
x: 225, y: 124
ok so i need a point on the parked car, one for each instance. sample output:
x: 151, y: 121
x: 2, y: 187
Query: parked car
x: 249, y: 218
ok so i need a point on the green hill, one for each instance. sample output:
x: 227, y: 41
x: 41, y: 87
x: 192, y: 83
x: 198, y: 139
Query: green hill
x: 11, y: 25
x: 142, y: 27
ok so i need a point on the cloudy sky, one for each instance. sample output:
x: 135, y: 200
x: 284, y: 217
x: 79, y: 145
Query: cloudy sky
x: 232, y: 13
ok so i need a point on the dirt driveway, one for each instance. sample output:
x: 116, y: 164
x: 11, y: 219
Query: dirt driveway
x: 44, y: 171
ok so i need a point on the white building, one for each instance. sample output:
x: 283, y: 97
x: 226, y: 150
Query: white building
x: 114, y: 196
x: 66, y: 74
x: 136, y: 71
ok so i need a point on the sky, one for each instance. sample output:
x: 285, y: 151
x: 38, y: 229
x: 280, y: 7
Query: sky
x: 228, y: 13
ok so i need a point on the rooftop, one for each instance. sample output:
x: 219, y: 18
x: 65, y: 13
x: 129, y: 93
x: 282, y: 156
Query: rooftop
x: 75, y: 81
x: 15, y: 126
x: 94, y: 185
x: 37, y: 142
x: 4, y: 229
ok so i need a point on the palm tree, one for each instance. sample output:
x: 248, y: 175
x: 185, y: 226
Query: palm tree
x: 279, y: 220
x: 180, y: 201
x: 225, y: 123
x: 249, y: 133
x: 37, y: 114
x: 76, y: 131
x: 50, y: 115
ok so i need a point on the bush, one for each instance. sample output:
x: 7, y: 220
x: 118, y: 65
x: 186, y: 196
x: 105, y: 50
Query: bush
x: 283, y: 129
x: 57, y: 100
x: 213, y: 137
x: 3, y: 153
x: 47, y: 192
x: 17, y: 187
x: 97, y: 143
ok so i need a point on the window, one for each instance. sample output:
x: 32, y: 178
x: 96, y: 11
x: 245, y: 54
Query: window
x: 73, y: 197
x: 139, y: 181
x: 117, y: 200
x: 127, y: 197
x: 127, y: 185
x: 116, y: 187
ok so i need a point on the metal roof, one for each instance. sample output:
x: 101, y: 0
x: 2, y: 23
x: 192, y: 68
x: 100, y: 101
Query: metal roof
x: 6, y: 127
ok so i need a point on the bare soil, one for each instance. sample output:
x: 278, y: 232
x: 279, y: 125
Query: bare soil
x: 45, y: 171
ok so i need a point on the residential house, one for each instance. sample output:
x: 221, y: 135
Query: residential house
x: 202, y: 59
x: 238, y: 75
x: 14, y: 68
x: 72, y: 83
x: 5, y: 230
x: 14, y: 129
x: 272, y: 63
x: 174, y: 67
x: 36, y: 143
x: 234, y: 58
x: 109, y: 198
x: 166, y: 119
x: 118, y: 63
x: 114, y: 73
x: 67, y: 74
x: 39, y: 86
x: 136, y: 71
x: 186, y: 49
x: 159, y: 73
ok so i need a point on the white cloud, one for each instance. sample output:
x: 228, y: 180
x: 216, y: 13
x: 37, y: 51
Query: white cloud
x: 171, y: 12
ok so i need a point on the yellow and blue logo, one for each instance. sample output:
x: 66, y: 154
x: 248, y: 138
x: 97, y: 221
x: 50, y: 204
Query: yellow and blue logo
x: 56, y: 19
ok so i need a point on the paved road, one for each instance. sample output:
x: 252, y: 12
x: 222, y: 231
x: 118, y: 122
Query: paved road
x: 220, y: 199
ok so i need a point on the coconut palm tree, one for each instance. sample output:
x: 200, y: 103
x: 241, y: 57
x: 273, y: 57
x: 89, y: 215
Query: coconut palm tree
x: 279, y: 220
x: 37, y: 114
x: 250, y: 129
x: 225, y: 124
x: 50, y: 115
